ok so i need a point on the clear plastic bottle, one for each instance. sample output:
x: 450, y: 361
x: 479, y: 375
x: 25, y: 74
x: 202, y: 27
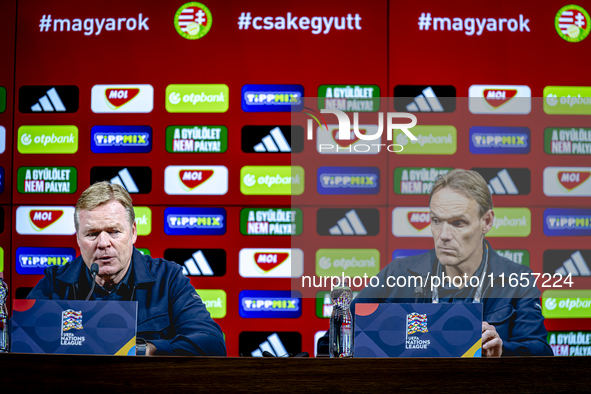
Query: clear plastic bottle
x: 4, y: 343
x: 341, y: 321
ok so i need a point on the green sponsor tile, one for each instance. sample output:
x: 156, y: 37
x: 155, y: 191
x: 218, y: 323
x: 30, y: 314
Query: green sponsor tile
x: 144, y: 251
x: 511, y: 222
x: 416, y: 180
x: 143, y: 220
x: 196, y: 139
x: 516, y: 256
x: 350, y: 262
x: 1, y: 259
x: 47, y: 139
x: 215, y: 301
x: 271, y: 221
x: 431, y: 140
x: 47, y: 180
x: 272, y: 180
x: 564, y: 304
x: 197, y: 98
x: 567, y: 100
x: 349, y: 98
x: 570, y: 343
x: 567, y: 140
x: 2, y: 99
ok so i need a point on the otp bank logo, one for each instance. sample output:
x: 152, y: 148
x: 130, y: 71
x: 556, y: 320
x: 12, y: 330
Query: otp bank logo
x: 270, y: 304
x: 195, y: 221
x: 567, y: 100
x: 121, y: 139
x: 567, y: 222
x: 567, y: 181
x: 197, y: 98
x: 499, y: 99
x: 196, y: 180
x: 411, y: 222
x: 271, y: 263
x: 497, y: 140
x: 122, y: 98
x: 272, y: 180
x: 33, y: 261
x: 45, y: 220
x: 272, y: 98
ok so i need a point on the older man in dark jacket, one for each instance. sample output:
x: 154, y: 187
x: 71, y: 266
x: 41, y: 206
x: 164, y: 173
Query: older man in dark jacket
x: 172, y: 318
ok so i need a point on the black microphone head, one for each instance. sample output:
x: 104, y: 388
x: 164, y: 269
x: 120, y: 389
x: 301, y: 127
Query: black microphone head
x: 94, y: 269
x: 418, y: 291
x: 267, y: 354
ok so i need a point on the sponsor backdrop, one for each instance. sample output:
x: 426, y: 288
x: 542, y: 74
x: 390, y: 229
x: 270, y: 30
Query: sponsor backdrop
x: 186, y: 104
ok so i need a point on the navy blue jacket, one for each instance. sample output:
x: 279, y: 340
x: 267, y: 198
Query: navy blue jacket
x: 170, y: 313
x: 515, y: 312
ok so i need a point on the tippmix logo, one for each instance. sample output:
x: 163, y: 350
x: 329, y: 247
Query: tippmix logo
x: 497, y: 140
x: 193, y: 20
x: 121, y: 139
x: 45, y: 220
x: 567, y: 181
x: 270, y: 304
x: 572, y: 23
x: 203, y: 180
x: 195, y: 221
x: 272, y: 98
x: 567, y: 222
x: 122, y: 98
x: 271, y: 263
x: 34, y: 260
x: 348, y: 180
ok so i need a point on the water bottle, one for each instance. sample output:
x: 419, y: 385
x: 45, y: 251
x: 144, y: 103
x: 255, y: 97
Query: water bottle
x: 3, y: 315
x: 341, y: 321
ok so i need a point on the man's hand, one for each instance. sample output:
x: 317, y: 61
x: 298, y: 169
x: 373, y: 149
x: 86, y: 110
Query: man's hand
x: 150, y: 349
x: 492, y: 344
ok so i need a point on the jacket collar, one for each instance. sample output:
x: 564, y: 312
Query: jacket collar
x: 141, y: 273
x: 427, y: 263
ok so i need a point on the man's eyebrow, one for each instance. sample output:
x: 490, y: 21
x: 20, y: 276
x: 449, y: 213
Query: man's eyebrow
x: 451, y: 217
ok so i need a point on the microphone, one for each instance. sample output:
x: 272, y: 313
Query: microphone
x: 418, y: 293
x: 267, y: 354
x: 302, y: 354
x: 94, y: 269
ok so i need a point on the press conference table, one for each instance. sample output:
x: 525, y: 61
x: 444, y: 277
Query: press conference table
x: 109, y: 374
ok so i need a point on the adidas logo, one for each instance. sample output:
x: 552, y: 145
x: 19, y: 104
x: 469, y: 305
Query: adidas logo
x: 502, y: 184
x: 349, y: 225
x: 45, y: 103
x: 273, y: 345
x: 197, y: 265
x: 274, y: 142
x: 427, y: 101
x: 125, y: 179
x: 576, y: 266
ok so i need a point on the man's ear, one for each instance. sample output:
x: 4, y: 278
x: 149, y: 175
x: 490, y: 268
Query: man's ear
x: 134, y: 233
x: 487, y: 221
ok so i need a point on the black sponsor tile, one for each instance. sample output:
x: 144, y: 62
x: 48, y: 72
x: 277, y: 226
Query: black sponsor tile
x: 252, y: 139
x: 48, y: 99
x: 141, y: 177
x: 506, y: 181
x: 214, y: 258
x: 414, y: 98
x: 353, y: 221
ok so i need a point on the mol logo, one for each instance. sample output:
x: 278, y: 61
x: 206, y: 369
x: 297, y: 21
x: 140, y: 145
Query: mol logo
x: 195, y: 221
x: 567, y: 222
x: 212, y: 180
x: 411, y: 222
x: 567, y: 181
x: 122, y: 98
x: 45, y: 220
x: 499, y: 140
x: 271, y: 263
x: 270, y: 304
x: 121, y: 139
x: 499, y: 99
x: 34, y: 261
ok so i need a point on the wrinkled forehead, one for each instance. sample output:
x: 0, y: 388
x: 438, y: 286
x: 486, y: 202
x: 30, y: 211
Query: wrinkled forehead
x: 448, y: 203
x: 104, y: 215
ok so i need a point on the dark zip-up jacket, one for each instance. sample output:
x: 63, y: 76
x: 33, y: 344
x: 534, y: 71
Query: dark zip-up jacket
x: 170, y: 313
x: 515, y: 312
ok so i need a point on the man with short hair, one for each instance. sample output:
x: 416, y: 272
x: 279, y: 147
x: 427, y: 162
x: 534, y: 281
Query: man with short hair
x: 461, y: 215
x: 172, y: 318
